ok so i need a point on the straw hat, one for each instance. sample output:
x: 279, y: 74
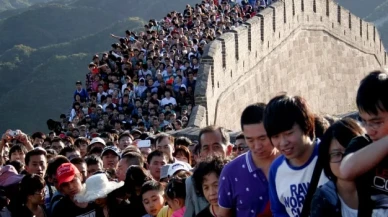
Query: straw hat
x: 97, y: 186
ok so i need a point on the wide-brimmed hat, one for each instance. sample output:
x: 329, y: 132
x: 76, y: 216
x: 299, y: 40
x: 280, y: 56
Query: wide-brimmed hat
x: 97, y: 186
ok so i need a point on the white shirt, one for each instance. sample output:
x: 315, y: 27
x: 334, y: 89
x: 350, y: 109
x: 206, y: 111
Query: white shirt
x: 288, y: 185
x: 346, y: 211
x: 99, y: 95
x: 166, y: 101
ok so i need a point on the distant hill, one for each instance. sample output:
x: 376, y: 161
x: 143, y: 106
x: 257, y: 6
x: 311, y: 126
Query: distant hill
x: 45, y: 48
x: 45, y: 90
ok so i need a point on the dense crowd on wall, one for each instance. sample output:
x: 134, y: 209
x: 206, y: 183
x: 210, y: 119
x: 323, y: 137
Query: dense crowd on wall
x: 114, y: 154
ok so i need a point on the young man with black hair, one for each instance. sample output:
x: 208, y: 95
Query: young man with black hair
x: 36, y: 163
x: 52, y: 181
x: 127, y: 160
x: 366, y: 158
x: 70, y: 152
x: 156, y: 160
x: 94, y: 164
x: 165, y: 143
x: 290, y: 126
x: 70, y: 184
x: 247, y: 174
x: 38, y: 139
x: 80, y: 163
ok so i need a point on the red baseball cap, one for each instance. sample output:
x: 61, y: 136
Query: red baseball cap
x: 66, y: 173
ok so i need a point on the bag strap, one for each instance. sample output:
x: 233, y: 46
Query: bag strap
x: 312, y: 187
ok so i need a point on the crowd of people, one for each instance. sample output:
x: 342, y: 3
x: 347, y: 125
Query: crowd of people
x: 147, y: 80
x: 113, y: 154
x: 287, y: 161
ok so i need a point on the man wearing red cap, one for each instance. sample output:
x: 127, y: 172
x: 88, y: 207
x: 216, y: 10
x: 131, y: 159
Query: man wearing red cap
x: 69, y: 182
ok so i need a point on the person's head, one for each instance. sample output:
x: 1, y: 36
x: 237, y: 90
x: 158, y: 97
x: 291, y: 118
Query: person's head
x: 156, y: 160
x: 69, y: 180
x: 57, y: 144
x: 110, y: 157
x: 165, y: 143
x: 70, y: 152
x: 19, y: 166
x: 372, y: 103
x: 290, y: 126
x: 182, y: 153
x: 183, y: 141
x: 93, y: 164
x: 81, y: 166
x: 214, y: 141
x: 17, y: 152
x: 96, y: 142
x: 254, y: 132
x: 125, y: 140
x: 32, y: 189
x: 206, y: 176
x: 321, y: 125
x: 82, y: 143
x: 127, y: 160
x: 52, y: 169
x: 135, y: 177
x: 333, y: 145
x: 152, y: 197
x: 36, y: 161
x: 38, y: 138
x: 175, y: 193
x: 240, y: 144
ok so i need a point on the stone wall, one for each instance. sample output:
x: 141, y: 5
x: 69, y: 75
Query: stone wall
x: 313, y: 48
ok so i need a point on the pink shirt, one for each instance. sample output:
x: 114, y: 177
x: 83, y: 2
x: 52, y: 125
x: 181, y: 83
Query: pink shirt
x: 179, y: 213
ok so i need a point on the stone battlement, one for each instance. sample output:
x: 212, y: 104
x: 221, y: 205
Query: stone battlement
x: 313, y: 48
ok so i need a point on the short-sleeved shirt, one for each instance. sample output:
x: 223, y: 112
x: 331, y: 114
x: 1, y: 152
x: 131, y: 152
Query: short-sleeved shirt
x: 372, y: 187
x: 243, y: 187
x: 288, y: 185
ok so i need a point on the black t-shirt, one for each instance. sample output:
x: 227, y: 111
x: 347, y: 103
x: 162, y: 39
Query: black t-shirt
x: 205, y: 213
x: 372, y: 187
x: 66, y: 208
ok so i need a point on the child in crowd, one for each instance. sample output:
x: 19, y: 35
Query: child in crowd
x: 206, y: 178
x: 175, y: 195
x: 152, y: 197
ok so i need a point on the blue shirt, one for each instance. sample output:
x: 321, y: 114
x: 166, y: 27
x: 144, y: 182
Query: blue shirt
x: 288, y: 185
x: 243, y: 187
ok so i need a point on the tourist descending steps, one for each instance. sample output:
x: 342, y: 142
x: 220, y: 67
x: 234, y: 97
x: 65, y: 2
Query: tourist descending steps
x: 289, y: 123
x: 247, y: 175
x: 366, y: 158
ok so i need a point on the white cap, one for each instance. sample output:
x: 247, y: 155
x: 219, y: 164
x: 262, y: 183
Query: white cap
x: 178, y: 165
x: 97, y: 140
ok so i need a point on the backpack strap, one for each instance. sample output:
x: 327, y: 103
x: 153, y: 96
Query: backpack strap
x: 312, y: 187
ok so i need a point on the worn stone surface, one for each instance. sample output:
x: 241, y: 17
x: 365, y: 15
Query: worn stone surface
x: 320, y: 52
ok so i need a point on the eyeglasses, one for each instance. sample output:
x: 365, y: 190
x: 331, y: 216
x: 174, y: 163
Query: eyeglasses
x: 374, y: 125
x: 41, y: 193
x: 336, y: 157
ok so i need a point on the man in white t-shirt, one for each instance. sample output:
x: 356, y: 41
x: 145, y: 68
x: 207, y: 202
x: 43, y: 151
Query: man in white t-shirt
x: 290, y: 126
x: 168, y: 99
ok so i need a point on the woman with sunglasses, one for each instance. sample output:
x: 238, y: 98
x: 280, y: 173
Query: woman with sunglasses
x: 338, y: 197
